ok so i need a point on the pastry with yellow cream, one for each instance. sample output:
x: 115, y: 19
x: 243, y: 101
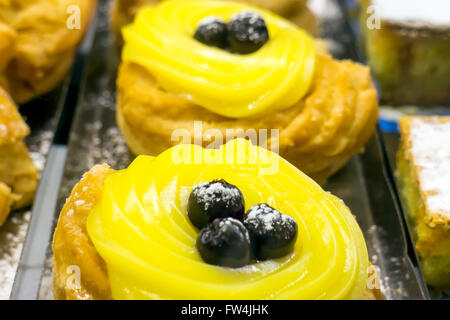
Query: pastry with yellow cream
x: 423, y: 164
x: 131, y: 232
x: 323, y: 110
x: 18, y: 174
x: 37, y: 43
x: 297, y: 11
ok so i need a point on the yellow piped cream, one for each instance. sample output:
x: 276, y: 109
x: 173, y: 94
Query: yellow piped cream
x: 141, y: 229
x: 276, y: 76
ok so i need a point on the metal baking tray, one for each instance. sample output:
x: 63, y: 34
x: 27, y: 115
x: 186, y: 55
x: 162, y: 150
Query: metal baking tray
x: 95, y: 138
x: 48, y: 117
x: 45, y: 115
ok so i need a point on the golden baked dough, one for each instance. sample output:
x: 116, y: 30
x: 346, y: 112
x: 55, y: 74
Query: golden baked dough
x: 73, y: 247
x: 123, y: 12
x: 318, y: 134
x: 36, y: 45
x: 18, y: 174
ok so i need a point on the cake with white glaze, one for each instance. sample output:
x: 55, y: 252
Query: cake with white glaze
x: 415, y: 13
x: 423, y: 164
x: 407, y: 45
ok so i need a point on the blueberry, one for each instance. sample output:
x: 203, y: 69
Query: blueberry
x: 212, y: 31
x: 272, y: 234
x: 216, y: 199
x: 224, y: 242
x: 247, y: 32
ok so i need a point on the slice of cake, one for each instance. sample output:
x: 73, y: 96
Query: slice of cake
x: 423, y: 164
x: 407, y: 44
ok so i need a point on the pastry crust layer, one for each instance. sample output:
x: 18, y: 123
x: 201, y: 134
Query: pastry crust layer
x: 36, y: 44
x: 123, y: 12
x: 72, y: 246
x: 318, y: 134
x: 18, y: 174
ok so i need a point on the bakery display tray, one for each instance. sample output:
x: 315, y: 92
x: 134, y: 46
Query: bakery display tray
x: 45, y: 115
x: 42, y: 116
x: 391, y: 139
x: 48, y: 117
x: 95, y: 138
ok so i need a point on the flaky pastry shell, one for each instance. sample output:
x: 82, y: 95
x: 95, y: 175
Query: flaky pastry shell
x: 73, y: 247
x: 37, y: 43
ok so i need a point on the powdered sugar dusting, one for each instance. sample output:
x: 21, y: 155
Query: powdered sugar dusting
x: 432, y: 12
x: 264, y: 219
x: 265, y: 214
x: 212, y: 192
x: 254, y: 19
x: 209, y: 21
x: 431, y: 152
x: 12, y: 237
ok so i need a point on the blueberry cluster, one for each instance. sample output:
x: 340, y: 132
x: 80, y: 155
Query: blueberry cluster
x: 230, y: 238
x: 245, y: 33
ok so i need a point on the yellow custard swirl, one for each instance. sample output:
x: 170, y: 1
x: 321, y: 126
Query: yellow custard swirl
x: 276, y: 76
x: 141, y: 229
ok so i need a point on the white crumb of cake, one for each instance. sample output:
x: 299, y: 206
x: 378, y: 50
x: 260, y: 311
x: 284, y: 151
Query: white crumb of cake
x: 430, y: 147
x: 415, y: 12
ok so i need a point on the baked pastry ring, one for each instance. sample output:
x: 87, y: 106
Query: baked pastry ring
x: 36, y: 45
x: 297, y: 11
x: 128, y: 232
x: 18, y: 174
x: 318, y: 132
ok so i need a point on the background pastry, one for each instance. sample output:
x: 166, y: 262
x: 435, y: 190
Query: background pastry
x: 156, y: 192
x: 324, y: 119
x: 124, y: 11
x: 36, y: 44
x: 423, y: 164
x: 408, y: 51
x: 18, y: 174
